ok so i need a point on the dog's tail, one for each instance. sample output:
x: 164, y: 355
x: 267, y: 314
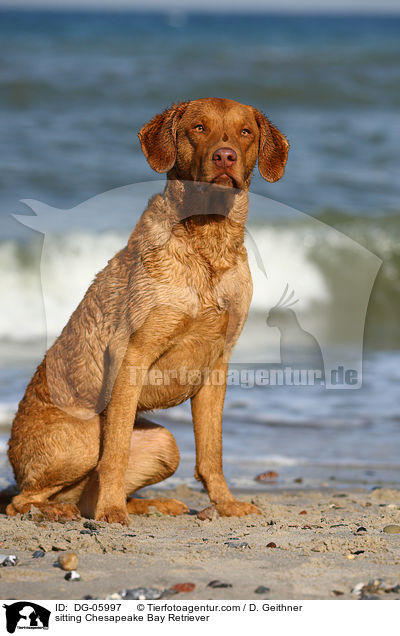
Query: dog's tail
x: 5, y: 497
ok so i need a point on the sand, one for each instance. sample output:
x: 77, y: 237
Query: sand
x: 310, y: 560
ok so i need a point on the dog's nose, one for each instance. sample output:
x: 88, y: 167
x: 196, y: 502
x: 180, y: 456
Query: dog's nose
x: 224, y: 157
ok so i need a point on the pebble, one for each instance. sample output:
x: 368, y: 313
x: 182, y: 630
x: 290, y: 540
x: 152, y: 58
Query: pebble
x: 357, y: 589
x: 38, y: 554
x: 115, y: 596
x: 208, y: 514
x: 367, y: 591
x: 183, y: 587
x: 337, y: 592
x: 261, y: 589
x: 237, y: 544
x: 68, y: 561
x: 370, y: 597
x: 90, y: 532
x: 7, y: 560
x: 267, y: 476
x: 395, y: 589
x: 298, y: 480
x: 91, y: 525
x: 351, y: 557
x: 391, y: 529
x: 374, y: 585
x: 141, y: 594
x: 303, y: 512
x: 72, y: 576
x: 271, y: 545
x: 217, y: 583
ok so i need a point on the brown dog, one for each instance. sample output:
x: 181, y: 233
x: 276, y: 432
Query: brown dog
x: 155, y: 328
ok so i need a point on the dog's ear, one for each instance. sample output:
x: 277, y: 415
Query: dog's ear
x: 273, y: 149
x: 158, y: 138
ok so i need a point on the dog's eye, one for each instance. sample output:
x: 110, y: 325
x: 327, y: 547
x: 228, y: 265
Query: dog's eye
x: 246, y: 131
x: 199, y: 128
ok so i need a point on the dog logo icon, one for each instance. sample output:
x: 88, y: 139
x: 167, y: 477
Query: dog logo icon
x: 298, y: 348
x: 26, y: 615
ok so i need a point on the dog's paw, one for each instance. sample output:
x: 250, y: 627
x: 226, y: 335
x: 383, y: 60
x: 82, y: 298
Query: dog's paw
x: 59, y: 511
x: 113, y: 514
x: 11, y: 511
x: 237, y: 509
x: 49, y: 511
x: 165, y: 506
x: 172, y: 507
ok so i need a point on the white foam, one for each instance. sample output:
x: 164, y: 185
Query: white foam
x: 287, y: 260
x: 41, y: 295
x: 43, y: 287
x: 7, y: 412
x: 40, y: 300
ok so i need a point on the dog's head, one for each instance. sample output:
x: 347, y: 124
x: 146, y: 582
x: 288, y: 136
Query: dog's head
x: 214, y: 141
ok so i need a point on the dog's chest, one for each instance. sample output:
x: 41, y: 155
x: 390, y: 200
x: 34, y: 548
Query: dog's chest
x: 191, y: 357
x: 178, y: 373
x: 216, y: 308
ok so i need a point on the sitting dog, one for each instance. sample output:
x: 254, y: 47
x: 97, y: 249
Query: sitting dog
x: 169, y: 306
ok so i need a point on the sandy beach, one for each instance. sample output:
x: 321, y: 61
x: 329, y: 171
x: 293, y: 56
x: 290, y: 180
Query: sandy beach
x: 321, y: 551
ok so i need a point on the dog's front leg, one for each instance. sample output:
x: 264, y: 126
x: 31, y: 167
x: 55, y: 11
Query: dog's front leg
x: 119, y: 418
x: 207, y: 407
x: 148, y: 344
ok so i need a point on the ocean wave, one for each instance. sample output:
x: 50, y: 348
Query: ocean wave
x: 7, y: 412
x: 302, y: 254
x: 73, y: 259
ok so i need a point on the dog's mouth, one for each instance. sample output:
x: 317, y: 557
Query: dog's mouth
x: 221, y: 181
x: 225, y: 180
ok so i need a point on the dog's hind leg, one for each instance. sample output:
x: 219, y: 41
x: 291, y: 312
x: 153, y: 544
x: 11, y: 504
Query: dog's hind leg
x: 153, y: 457
x: 47, y: 463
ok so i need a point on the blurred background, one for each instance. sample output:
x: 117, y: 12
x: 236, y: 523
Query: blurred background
x: 76, y: 86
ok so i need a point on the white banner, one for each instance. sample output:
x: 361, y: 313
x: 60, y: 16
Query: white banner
x: 165, y: 616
